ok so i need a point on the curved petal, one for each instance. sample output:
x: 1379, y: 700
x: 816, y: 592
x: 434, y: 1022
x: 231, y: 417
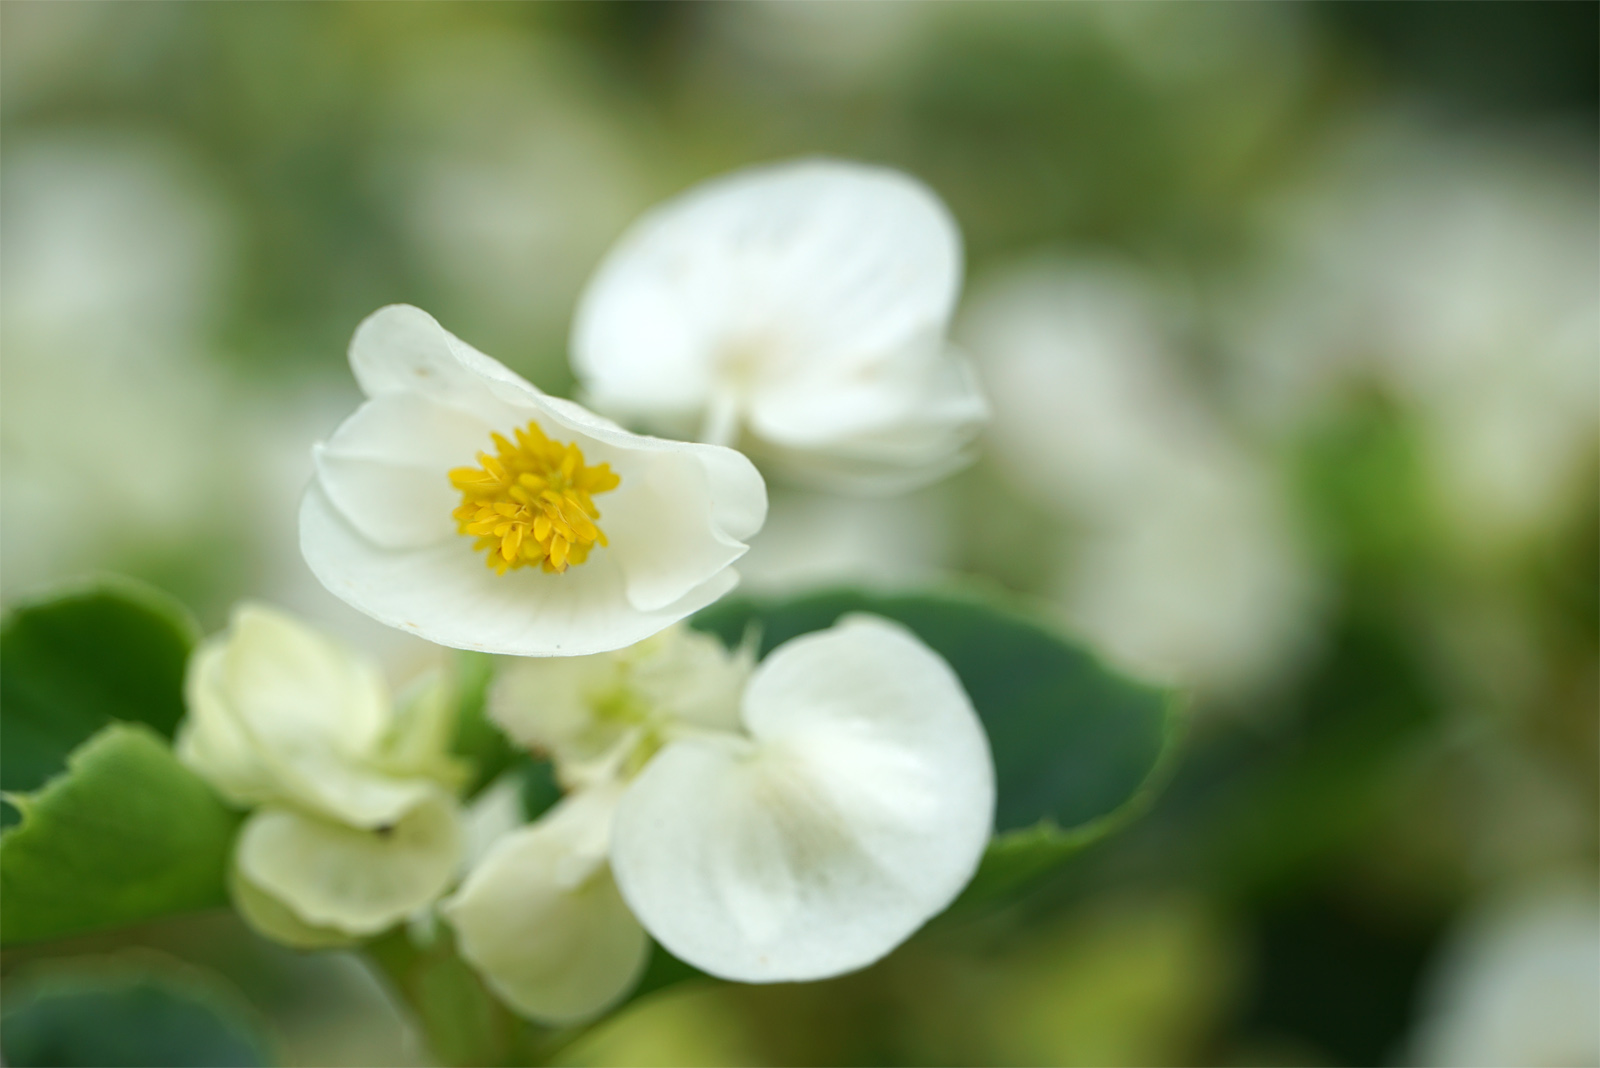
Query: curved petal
x: 542, y: 921
x: 278, y: 713
x: 761, y: 274
x: 402, y: 349
x: 858, y: 812
x: 929, y: 436
x: 273, y: 919
x: 292, y: 688
x: 661, y: 527
x: 352, y: 880
x: 583, y: 710
x: 387, y: 467
x: 575, y: 708
x: 445, y: 594
x: 212, y: 743
x: 376, y: 527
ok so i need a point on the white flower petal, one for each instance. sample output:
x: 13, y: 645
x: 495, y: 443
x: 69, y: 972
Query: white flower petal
x: 352, y: 880
x: 273, y: 919
x: 401, y: 349
x: 821, y: 262
x: 542, y: 921
x: 562, y: 705
x: 278, y: 713
x: 289, y: 684
x: 810, y: 300
x: 859, y: 811
x: 376, y: 527
x: 492, y: 815
x: 387, y: 467
x: 585, y: 711
x: 445, y: 593
x: 213, y: 744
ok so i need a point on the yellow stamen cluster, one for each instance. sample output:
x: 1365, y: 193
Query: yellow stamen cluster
x: 532, y: 503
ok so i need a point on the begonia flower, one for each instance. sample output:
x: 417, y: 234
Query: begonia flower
x: 465, y: 506
x: 355, y: 824
x: 800, y: 831
x: 798, y: 309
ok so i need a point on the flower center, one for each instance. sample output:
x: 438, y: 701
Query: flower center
x: 532, y: 503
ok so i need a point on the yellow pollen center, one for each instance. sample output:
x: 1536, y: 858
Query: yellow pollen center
x: 532, y: 503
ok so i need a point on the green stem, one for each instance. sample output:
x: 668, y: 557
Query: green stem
x: 462, y: 1023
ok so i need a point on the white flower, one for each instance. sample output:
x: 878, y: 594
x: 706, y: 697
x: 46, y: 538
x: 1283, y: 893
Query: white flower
x: 1517, y: 983
x: 542, y: 920
x: 804, y: 303
x: 594, y: 538
x: 357, y: 825
x: 1184, y: 563
x: 794, y: 822
x: 591, y: 714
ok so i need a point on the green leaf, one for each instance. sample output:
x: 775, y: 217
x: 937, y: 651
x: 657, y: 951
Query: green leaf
x: 478, y: 740
x: 127, y: 834
x: 75, y: 661
x: 118, y: 1014
x: 1077, y: 746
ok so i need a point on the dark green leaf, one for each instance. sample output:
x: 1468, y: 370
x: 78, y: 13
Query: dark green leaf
x: 129, y: 1017
x: 539, y: 789
x: 127, y: 834
x: 1075, y: 744
x: 478, y: 740
x: 73, y: 662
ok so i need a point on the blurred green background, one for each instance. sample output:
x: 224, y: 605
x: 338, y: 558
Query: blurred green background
x: 1290, y: 317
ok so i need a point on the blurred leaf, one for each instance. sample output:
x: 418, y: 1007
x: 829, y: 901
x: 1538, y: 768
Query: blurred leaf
x: 1076, y: 746
x: 75, y: 661
x: 462, y: 1022
x: 477, y: 739
x: 137, y: 1018
x: 127, y: 834
x: 540, y: 790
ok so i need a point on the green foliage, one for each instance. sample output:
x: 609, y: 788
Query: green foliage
x: 464, y: 1024
x: 129, y: 1017
x: 1077, y: 747
x: 478, y: 740
x: 74, y: 662
x: 539, y: 789
x: 127, y: 834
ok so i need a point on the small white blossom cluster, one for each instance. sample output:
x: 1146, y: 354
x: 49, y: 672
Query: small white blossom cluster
x: 355, y: 824
x: 787, y: 820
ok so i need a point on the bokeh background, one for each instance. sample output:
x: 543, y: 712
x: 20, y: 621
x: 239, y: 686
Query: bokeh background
x: 1290, y: 317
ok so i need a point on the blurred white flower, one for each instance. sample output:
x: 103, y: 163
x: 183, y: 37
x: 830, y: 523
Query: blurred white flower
x: 356, y: 824
x: 1518, y: 984
x: 1461, y: 275
x: 593, y: 715
x: 1183, y: 565
x: 805, y: 304
x: 794, y: 826
x: 541, y: 917
x: 401, y: 524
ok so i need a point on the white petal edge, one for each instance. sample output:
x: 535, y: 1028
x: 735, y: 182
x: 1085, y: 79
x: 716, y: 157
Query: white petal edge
x: 346, y: 878
x: 277, y: 713
x: 274, y: 920
x: 858, y: 811
x: 542, y: 921
x: 829, y: 259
